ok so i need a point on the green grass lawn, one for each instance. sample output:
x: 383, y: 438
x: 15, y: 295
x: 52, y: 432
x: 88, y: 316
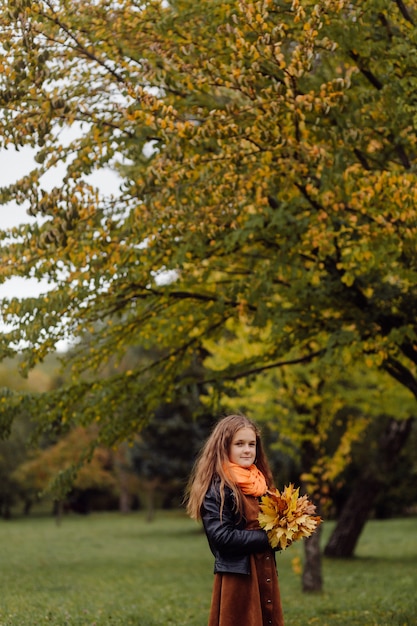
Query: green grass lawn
x: 108, y: 569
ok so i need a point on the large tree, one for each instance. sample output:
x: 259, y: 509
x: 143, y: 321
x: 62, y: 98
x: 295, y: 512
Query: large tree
x: 267, y: 151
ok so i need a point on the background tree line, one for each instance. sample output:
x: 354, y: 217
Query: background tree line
x: 153, y: 470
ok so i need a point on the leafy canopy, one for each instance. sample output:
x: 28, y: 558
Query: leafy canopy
x: 267, y: 155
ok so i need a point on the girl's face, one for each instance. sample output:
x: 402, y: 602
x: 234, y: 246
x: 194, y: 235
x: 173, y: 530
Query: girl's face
x: 243, y: 447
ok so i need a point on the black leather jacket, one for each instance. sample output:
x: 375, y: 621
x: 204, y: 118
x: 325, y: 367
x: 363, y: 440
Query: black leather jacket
x: 230, y: 543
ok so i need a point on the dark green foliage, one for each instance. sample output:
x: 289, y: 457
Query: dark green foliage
x: 167, y: 449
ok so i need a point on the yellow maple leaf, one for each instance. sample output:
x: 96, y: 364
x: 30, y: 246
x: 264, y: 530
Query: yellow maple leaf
x: 287, y: 517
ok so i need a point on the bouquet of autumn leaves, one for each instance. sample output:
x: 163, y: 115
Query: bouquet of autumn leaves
x: 286, y: 516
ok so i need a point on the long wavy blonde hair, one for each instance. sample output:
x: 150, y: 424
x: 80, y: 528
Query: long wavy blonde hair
x: 211, y: 463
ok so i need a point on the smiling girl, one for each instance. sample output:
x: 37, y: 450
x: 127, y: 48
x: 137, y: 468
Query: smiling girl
x: 229, y: 477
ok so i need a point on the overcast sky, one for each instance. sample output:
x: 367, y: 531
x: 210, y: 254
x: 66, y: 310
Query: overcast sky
x: 13, y: 165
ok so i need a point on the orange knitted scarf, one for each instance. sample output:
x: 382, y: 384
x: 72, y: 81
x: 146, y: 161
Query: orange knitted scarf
x: 250, y: 480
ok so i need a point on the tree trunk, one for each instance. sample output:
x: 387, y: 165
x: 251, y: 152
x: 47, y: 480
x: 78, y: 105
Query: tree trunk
x: 123, y: 474
x: 312, y: 579
x: 58, y: 510
x: 358, y: 506
x: 6, y: 510
x: 27, y: 506
x: 353, y: 518
x: 151, y: 493
x: 124, y: 500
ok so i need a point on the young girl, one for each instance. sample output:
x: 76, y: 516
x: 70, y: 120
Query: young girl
x: 228, y: 479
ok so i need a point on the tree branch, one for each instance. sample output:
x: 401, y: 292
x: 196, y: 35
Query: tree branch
x: 367, y: 73
x: 264, y: 368
x: 404, y: 11
x: 313, y: 203
x: 401, y: 373
x: 362, y: 159
x: 80, y: 46
x: 409, y: 351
